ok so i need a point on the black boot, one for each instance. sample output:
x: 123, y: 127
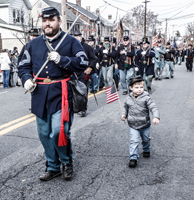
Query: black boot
x: 132, y: 163
x: 49, y: 175
x: 67, y: 170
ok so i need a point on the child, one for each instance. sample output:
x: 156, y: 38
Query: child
x: 136, y: 111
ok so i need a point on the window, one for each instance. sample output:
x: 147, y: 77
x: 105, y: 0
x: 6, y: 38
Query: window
x: 18, y: 16
x: 22, y: 16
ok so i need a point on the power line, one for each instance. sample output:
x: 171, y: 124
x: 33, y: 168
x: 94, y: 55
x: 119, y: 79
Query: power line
x: 181, y: 11
x: 176, y: 9
x: 115, y: 6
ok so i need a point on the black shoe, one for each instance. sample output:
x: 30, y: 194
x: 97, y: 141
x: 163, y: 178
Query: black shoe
x: 83, y: 113
x: 100, y: 89
x: 49, y: 175
x: 172, y: 76
x: 156, y: 78
x: 117, y: 89
x: 67, y: 171
x: 125, y: 92
x: 166, y: 77
x: 146, y: 154
x: 132, y: 163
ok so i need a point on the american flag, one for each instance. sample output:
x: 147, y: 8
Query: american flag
x: 155, y: 40
x: 111, y: 94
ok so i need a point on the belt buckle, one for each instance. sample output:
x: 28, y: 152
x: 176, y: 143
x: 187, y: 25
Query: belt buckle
x: 144, y: 62
x: 47, y: 80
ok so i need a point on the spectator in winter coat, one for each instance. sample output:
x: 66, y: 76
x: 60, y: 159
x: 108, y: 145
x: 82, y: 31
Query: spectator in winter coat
x: 5, y: 67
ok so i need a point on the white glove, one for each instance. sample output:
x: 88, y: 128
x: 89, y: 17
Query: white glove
x: 136, y: 69
x: 105, y: 51
x: 158, y: 48
x: 54, y: 56
x: 167, y: 50
x: 143, y: 53
x: 28, y: 84
x: 97, y: 66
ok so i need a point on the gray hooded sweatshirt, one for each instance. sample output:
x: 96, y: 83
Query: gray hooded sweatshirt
x: 137, y: 110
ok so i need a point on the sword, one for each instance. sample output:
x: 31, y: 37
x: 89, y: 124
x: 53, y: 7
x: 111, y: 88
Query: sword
x: 92, y: 90
x: 46, y: 62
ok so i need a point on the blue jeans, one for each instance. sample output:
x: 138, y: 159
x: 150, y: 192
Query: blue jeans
x: 180, y: 60
x: 169, y: 66
x: 116, y: 77
x: 48, y: 133
x: 6, y: 74
x: 100, y: 79
x: 135, y: 135
x: 94, y: 82
x: 125, y: 74
x: 107, y: 72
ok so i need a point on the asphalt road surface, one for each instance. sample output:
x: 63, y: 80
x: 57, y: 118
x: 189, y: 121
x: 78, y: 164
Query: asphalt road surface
x: 101, y: 149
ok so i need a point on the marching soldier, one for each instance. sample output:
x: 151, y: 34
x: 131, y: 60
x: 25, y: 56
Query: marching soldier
x: 94, y: 77
x: 189, y: 54
x: 176, y: 54
x: 144, y: 62
x: 180, y: 56
x: 116, y: 71
x: 169, y: 61
x: 125, y: 63
x: 98, y: 67
x: 85, y: 76
x: 106, y: 60
x: 52, y: 94
x: 159, y: 60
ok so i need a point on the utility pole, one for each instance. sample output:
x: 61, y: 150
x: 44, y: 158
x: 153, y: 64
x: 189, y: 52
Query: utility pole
x: 64, y: 20
x: 145, y: 17
x: 166, y: 33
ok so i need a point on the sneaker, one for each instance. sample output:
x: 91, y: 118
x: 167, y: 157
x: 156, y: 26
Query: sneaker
x: 132, y: 163
x: 146, y: 154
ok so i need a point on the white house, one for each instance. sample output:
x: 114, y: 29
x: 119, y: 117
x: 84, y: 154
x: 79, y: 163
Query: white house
x: 14, y: 19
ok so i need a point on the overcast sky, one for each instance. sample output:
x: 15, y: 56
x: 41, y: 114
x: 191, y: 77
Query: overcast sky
x: 165, y: 9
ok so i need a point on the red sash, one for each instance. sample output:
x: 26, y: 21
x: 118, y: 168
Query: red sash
x: 64, y: 109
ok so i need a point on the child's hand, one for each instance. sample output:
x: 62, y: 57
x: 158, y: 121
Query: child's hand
x: 123, y: 117
x: 156, y: 121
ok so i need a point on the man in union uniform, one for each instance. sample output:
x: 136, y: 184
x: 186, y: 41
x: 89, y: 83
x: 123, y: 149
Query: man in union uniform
x: 52, y: 97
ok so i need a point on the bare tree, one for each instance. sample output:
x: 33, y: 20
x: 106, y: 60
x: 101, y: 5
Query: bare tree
x: 190, y: 28
x: 22, y: 35
x: 135, y: 18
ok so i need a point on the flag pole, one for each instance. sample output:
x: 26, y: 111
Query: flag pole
x: 119, y: 100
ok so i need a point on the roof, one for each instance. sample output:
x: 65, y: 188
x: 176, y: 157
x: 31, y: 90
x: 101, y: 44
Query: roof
x: 83, y: 11
x: 105, y: 21
x: 70, y: 16
x: 4, y: 1
x: 27, y: 2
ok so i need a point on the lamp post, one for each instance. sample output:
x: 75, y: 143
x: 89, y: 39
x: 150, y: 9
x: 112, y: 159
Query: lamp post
x: 98, y: 23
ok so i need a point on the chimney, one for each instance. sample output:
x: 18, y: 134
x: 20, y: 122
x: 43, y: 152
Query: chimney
x: 88, y: 8
x: 78, y: 2
x: 97, y: 11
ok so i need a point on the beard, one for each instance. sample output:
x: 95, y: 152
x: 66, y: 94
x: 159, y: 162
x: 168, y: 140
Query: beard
x: 50, y: 31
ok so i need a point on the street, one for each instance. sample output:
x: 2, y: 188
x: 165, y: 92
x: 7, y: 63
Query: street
x: 101, y: 149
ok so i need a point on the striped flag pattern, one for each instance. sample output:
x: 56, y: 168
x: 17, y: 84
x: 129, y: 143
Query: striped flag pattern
x: 155, y: 40
x: 111, y: 94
